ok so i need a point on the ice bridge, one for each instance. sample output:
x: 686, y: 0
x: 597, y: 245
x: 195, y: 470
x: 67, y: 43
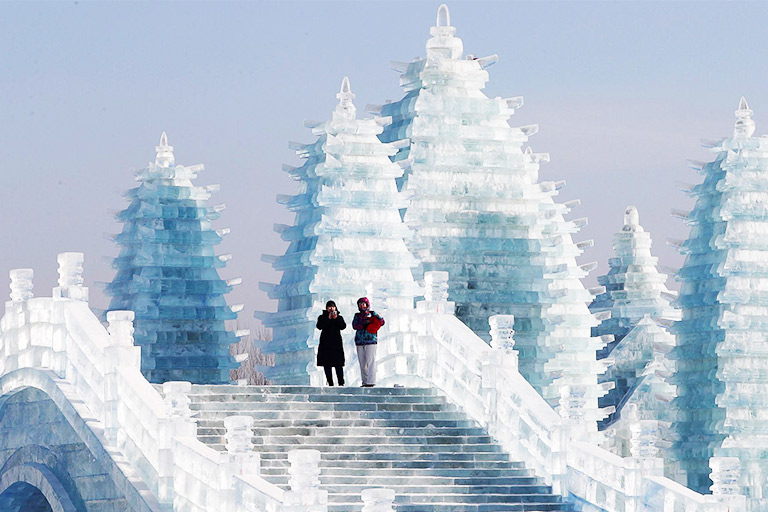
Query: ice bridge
x: 81, y: 429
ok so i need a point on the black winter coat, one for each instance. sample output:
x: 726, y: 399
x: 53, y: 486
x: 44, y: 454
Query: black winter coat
x: 330, y: 351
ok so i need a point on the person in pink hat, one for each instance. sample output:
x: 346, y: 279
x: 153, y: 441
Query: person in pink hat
x: 366, y: 323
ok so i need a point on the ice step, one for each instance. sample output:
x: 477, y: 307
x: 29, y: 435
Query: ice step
x: 426, y: 497
x: 529, y: 485
x: 495, y: 470
x: 205, y: 422
x: 307, y: 390
x: 356, y: 440
x: 275, y: 433
x: 520, y: 492
x: 266, y: 398
x: 414, y: 456
x: 356, y: 506
x: 416, y: 477
x: 327, y: 415
x: 362, y: 449
x: 240, y: 407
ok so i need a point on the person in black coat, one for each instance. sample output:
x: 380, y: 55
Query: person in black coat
x: 330, y: 351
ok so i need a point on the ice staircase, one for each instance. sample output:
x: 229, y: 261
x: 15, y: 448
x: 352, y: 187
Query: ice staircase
x: 407, y: 439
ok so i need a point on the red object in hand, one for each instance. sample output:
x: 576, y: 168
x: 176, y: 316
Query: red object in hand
x: 374, y: 325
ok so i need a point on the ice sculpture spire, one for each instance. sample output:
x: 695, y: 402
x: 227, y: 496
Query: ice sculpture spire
x: 721, y: 351
x: 167, y: 274
x: 347, y: 238
x: 631, y: 289
x: 479, y: 212
x: 164, y: 156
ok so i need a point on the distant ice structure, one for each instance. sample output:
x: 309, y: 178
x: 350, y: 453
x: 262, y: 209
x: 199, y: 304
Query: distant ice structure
x: 641, y: 371
x: 347, y: 240
x: 632, y: 289
x: 479, y: 212
x: 722, y: 340
x: 167, y: 274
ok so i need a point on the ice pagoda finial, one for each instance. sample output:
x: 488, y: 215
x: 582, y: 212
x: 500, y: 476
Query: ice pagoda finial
x: 443, y: 44
x: 346, y: 108
x: 632, y: 219
x: 745, y: 125
x: 443, y: 16
x: 164, y: 156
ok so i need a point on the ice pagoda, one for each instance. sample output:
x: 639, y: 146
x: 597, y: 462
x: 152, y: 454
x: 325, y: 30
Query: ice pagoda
x: 347, y: 240
x: 479, y: 212
x: 167, y: 273
x: 633, y: 286
x: 632, y: 289
x: 722, y: 340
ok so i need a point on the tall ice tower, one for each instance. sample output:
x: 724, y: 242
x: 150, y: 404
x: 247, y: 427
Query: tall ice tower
x: 722, y: 339
x: 479, y: 212
x: 347, y: 240
x: 167, y: 273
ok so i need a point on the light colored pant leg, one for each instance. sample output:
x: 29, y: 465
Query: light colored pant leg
x: 366, y: 355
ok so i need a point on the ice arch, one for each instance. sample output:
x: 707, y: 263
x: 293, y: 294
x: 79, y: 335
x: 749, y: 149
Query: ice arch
x: 50, y: 459
x: 33, y: 488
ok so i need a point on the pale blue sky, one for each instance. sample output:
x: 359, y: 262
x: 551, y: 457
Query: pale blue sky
x: 622, y: 93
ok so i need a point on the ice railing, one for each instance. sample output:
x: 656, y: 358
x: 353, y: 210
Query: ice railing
x: 151, y: 438
x: 484, y: 380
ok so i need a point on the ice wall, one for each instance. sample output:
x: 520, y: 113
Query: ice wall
x: 633, y: 289
x: 641, y: 371
x: 167, y: 273
x: 347, y: 240
x: 480, y: 213
x: 722, y: 339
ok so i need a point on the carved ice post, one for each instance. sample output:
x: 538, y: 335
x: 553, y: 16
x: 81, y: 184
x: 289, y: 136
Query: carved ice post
x: 644, y: 435
x: 435, y: 303
x: 378, y: 500
x: 436, y: 294
x: 119, y: 353
x: 496, y: 362
x: 14, y: 339
x: 726, y: 487
x: 70, y: 277
x: 178, y: 423
x: 21, y: 284
x: 242, y: 460
x: 305, y: 494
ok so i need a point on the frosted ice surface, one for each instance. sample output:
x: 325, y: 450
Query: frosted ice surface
x: 721, y: 352
x: 479, y: 212
x: 167, y: 274
x: 347, y: 238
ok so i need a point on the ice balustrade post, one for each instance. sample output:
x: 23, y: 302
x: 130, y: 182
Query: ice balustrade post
x: 21, y: 284
x: 305, y: 494
x: 177, y: 423
x: 572, y: 406
x: 70, y: 277
x: 725, y: 473
x: 436, y: 294
x: 501, y: 358
x: 644, y: 435
x: 241, y: 459
x: 118, y: 353
x: 379, y: 499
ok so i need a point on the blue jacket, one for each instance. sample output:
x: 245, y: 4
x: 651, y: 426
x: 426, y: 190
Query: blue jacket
x: 359, y: 323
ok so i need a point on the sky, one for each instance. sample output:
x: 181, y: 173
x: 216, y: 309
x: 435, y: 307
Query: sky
x: 622, y: 92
